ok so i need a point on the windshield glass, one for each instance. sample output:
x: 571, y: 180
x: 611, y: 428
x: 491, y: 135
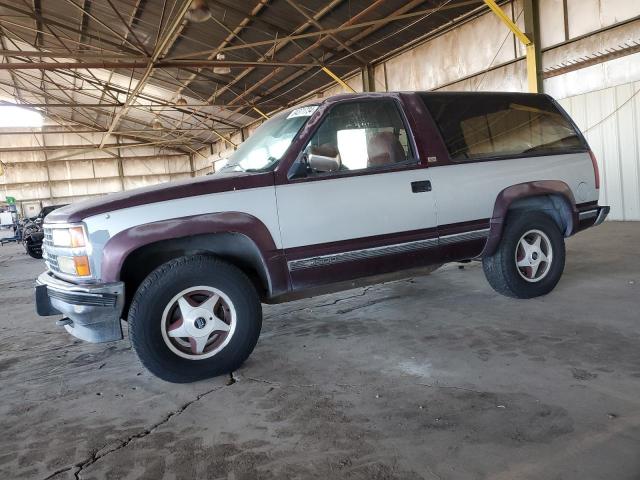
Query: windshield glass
x: 264, y: 149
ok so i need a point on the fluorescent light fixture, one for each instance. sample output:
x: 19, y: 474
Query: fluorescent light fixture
x: 14, y: 116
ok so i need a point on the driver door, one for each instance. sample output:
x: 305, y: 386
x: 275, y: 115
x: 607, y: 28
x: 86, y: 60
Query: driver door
x: 360, y: 203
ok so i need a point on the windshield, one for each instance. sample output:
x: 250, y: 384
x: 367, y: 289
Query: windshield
x: 264, y: 149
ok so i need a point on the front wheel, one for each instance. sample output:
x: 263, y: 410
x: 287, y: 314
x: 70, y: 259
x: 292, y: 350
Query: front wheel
x: 34, y: 251
x: 194, y: 317
x: 530, y: 258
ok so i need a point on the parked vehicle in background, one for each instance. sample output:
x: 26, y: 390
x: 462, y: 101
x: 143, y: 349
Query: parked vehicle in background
x: 31, y: 231
x: 350, y: 190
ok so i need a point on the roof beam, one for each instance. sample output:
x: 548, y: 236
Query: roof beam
x: 343, y: 28
x: 161, y: 48
x: 369, y: 9
x: 107, y: 65
x: 57, y: 23
x: 332, y: 36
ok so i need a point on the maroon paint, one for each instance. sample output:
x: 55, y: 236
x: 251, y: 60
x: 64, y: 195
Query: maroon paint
x: 339, y: 272
x: 425, y: 133
x: 463, y: 250
x: 461, y: 227
x: 359, y: 243
x: 160, y: 193
x: 524, y: 190
x: 121, y: 245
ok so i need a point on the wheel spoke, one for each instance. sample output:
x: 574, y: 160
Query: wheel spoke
x: 185, y: 307
x: 534, y: 270
x: 536, y: 242
x: 523, y: 263
x: 198, y: 343
x: 526, y: 246
x: 219, y: 325
x: 177, y: 329
x: 210, y: 303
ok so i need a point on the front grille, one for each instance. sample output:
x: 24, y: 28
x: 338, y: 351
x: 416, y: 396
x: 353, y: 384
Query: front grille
x: 50, y: 259
x: 48, y: 237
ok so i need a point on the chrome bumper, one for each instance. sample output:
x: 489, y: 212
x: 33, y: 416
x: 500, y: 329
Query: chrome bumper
x: 92, y: 312
x: 602, y: 214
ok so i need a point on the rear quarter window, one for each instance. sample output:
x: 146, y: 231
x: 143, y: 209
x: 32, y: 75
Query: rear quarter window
x: 478, y: 126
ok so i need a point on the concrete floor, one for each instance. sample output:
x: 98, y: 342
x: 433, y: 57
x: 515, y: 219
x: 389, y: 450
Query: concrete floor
x: 436, y: 377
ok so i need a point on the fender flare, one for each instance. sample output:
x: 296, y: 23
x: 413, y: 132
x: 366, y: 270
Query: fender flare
x: 121, y: 245
x: 521, y: 191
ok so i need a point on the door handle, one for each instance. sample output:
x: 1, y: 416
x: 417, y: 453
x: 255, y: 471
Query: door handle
x: 421, y: 186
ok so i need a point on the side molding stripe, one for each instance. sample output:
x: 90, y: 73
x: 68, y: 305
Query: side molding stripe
x: 367, y: 253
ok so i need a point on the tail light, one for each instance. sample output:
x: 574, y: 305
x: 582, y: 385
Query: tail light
x: 596, y: 171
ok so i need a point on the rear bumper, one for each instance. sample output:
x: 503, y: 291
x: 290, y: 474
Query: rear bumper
x: 592, y: 217
x: 92, y: 312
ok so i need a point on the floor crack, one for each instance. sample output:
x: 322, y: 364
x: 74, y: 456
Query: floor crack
x: 293, y: 385
x: 114, y: 447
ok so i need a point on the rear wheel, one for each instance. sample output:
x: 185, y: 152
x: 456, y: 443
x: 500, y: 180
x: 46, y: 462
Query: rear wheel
x: 194, y: 317
x: 530, y: 258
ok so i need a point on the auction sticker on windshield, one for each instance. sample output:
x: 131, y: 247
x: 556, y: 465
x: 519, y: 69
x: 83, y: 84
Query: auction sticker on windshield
x: 303, y: 112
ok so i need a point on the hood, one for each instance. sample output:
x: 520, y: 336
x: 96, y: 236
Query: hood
x: 191, y: 187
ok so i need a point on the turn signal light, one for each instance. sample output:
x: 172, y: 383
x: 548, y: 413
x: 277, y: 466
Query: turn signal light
x: 82, y: 266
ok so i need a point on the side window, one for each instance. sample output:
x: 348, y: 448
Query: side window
x: 359, y: 136
x: 475, y: 126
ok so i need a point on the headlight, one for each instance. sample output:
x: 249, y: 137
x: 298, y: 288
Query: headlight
x: 68, y: 237
x: 68, y: 248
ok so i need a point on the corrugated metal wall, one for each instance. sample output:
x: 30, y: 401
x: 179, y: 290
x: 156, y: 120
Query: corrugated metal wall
x: 610, y: 119
x: 37, y: 178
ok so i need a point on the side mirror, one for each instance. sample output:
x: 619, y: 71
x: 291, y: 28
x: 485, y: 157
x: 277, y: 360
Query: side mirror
x: 324, y: 159
x: 323, y: 164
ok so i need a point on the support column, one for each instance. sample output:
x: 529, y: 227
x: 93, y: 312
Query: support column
x: 534, y: 73
x: 368, y: 78
x: 534, y: 55
x: 120, y: 167
x: 191, y: 168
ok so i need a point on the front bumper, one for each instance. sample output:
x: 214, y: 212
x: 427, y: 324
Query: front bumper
x: 92, y: 312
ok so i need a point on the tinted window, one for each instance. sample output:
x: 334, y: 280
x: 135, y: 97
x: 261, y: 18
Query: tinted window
x: 366, y: 134
x: 482, y: 125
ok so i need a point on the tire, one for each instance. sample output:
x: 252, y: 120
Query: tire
x: 156, y: 319
x: 34, y: 252
x: 501, y: 269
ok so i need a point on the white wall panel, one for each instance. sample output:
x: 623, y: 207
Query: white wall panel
x: 610, y: 119
x: 551, y: 22
x: 588, y: 15
x: 455, y: 54
x: 596, y: 77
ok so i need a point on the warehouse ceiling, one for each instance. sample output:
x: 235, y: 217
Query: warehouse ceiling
x: 181, y: 73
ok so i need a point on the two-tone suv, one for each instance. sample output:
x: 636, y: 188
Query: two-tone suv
x: 327, y: 196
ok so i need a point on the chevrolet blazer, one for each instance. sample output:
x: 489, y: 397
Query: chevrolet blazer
x: 349, y: 190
